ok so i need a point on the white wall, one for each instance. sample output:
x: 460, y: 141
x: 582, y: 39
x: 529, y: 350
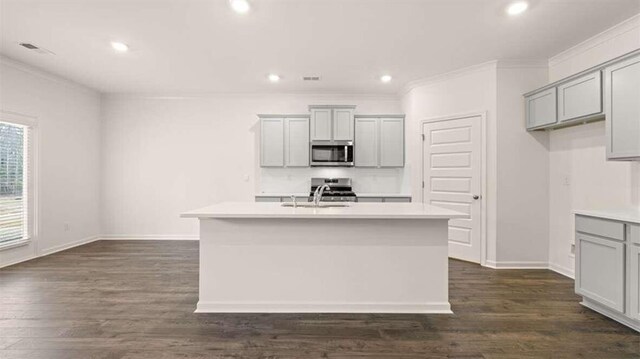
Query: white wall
x: 68, y: 124
x: 579, y: 175
x: 517, y: 162
x: 522, y: 172
x: 461, y: 92
x: 166, y: 155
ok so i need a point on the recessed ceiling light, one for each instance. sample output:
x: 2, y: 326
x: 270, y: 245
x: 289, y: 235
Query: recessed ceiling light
x: 240, y: 6
x: 385, y: 78
x: 274, y: 78
x: 120, y: 46
x: 517, y: 8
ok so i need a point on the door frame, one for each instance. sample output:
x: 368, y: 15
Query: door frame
x: 483, y: 176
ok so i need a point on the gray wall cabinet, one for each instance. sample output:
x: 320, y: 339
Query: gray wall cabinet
x: 607, y: 267
x: 284, y: 141
x: 622, y: 108
x: 332, y: 123
x: 587, y: 96
x: 581, y: 97
x: 379, y: 141
x: 541, y: 108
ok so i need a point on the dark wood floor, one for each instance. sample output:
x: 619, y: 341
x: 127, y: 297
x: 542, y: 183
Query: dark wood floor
x: 135, y: 299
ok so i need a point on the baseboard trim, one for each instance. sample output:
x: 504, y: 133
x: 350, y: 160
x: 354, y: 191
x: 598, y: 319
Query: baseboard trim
x: 567, y: 272
x: 150, y: 237
x: 53, y: 250
x: 299, y: 307
x: 517, y: 265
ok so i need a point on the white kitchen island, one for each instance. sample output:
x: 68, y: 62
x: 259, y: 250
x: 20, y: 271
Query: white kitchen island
x: 365, y: 258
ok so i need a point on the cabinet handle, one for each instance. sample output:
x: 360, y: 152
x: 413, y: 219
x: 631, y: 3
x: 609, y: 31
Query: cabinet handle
x: 476, y: 197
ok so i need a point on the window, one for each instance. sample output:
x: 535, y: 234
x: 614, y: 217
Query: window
x: 15, y: 193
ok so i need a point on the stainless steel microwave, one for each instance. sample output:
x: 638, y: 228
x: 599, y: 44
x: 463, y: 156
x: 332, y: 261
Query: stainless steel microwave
x: 332, y: 153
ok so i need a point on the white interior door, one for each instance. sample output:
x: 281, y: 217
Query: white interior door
x: 452, y: 165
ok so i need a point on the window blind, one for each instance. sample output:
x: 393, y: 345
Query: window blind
x: 14, y: 176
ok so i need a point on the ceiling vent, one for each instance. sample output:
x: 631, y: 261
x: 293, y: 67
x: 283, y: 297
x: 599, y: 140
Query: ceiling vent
x: 35, y: 48
x: 311, y: 78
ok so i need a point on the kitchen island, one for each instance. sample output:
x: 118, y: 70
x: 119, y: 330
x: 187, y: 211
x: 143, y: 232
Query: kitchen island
x: 363, y: 258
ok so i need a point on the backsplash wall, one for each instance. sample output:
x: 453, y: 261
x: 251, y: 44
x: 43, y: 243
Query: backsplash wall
x: 365, y: 180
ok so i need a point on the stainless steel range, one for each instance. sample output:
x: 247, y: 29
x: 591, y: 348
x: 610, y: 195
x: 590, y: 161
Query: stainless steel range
x: 339, y: 189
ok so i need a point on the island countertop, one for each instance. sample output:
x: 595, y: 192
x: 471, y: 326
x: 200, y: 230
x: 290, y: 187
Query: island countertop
x: 353, y: 211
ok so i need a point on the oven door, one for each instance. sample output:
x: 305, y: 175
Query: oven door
x: 332, y: 153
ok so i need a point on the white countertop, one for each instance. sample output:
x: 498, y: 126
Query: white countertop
x: 359, y: 194
x: 620, y: 214
x: 353, y: 211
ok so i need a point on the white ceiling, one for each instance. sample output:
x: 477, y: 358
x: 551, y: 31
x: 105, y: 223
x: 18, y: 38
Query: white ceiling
x: 191, y: 46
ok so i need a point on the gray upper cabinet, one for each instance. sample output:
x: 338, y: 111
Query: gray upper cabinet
x: 541, y: 109
x: 622, y: 109
x: 366, y: 148
x: 379, y: 142
x: 332, y: 123
x: 321, y: 124
x: 296, y: 142
x: 272, y: 142
x: 580, y: 98
x: 343, y: 123
x: 284, y: 142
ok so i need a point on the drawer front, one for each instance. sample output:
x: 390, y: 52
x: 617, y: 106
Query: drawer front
x: 397, y: 199
x: 634, y: 233
x: 267, y: 199
x: 600, y: 227
x: 370, y: 199
x: 600, y: 271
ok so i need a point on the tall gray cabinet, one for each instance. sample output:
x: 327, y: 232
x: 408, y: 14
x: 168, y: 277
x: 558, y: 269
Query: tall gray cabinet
x: 622, y: 108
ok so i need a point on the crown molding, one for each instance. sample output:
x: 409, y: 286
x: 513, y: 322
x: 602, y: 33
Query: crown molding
x: 447, y: 76
x: 523, y: 64
x: 330, y: 98
x: 631, y: 24
x: 4, y: 60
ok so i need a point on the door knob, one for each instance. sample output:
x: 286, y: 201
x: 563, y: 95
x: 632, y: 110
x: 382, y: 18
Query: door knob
x: 476, y: 197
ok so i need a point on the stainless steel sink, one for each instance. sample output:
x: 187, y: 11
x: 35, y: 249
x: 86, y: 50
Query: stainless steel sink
x: 311, y: 205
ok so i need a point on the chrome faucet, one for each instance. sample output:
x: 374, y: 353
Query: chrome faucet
x: 317, y: 195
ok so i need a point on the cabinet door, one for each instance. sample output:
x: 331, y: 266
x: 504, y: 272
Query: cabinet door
x: 321, y: 126
x: 600, y: 270
x: 634, y: 277
x: 622, y: 108
x: 272, y: 142
x: 391, y: 142
x: 581, y: 97
x: 541, y: 109
x: 343, y: 124
x: 366, y: 143
x: 297, y: 142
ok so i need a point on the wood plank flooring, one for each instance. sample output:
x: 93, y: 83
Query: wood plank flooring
x: 135, y: 299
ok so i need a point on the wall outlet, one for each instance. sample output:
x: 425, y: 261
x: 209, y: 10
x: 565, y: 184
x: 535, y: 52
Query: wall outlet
x: 573, y: 249
x: 566, y: 181
x: 67, y: 227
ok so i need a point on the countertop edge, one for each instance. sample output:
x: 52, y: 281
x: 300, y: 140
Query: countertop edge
x: 616, y: 215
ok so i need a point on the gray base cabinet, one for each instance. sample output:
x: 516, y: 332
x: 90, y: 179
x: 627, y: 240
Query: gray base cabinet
x: 607, y: 268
